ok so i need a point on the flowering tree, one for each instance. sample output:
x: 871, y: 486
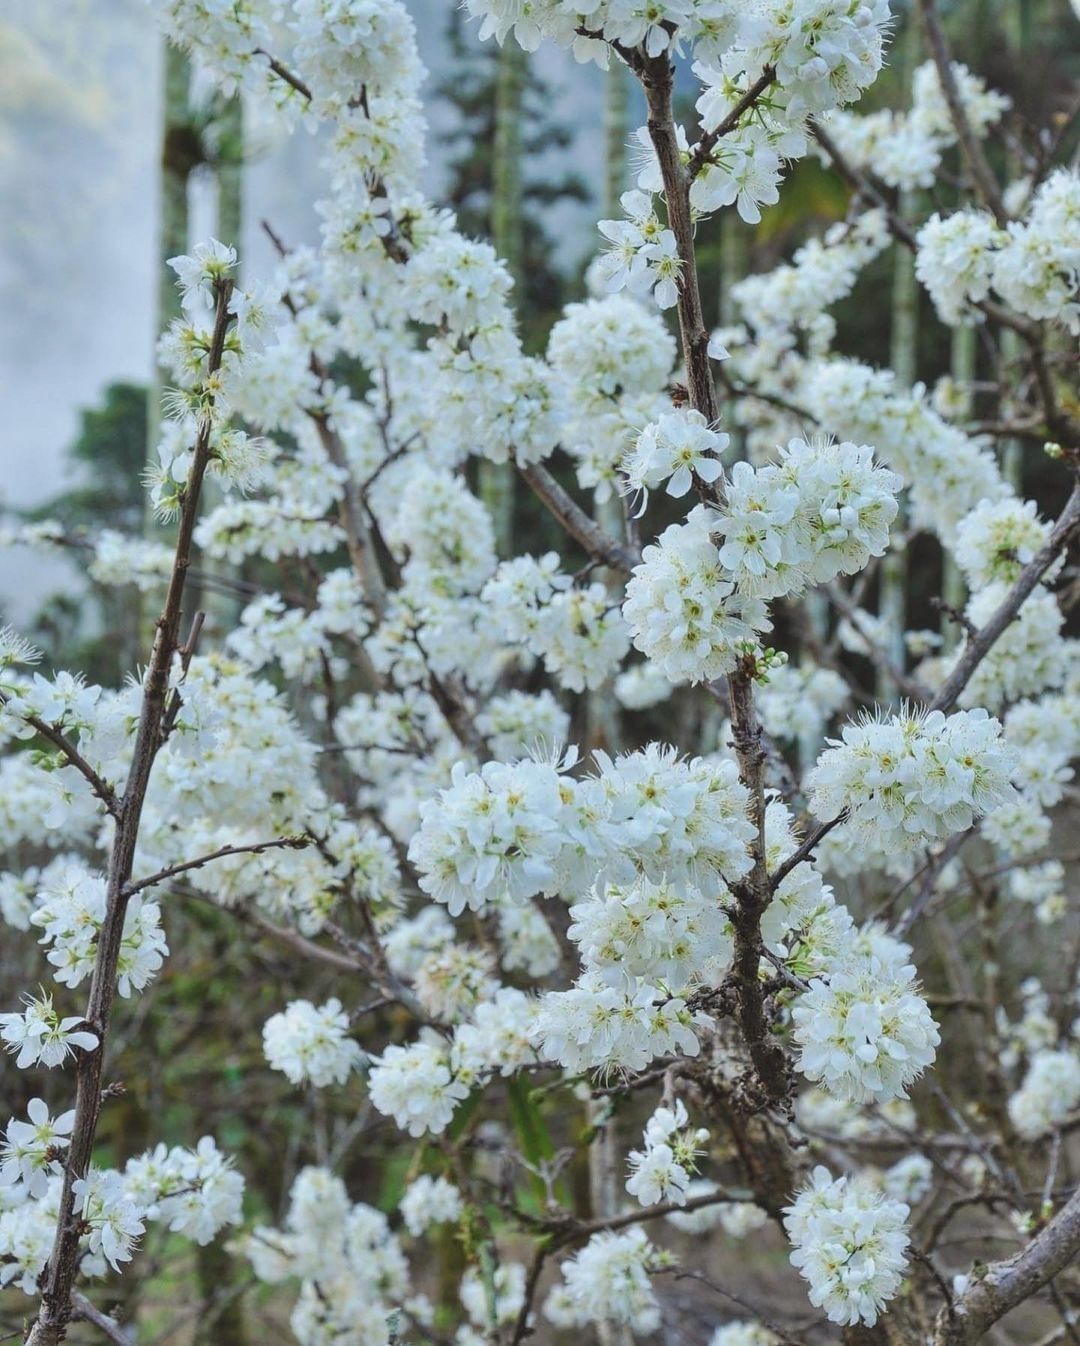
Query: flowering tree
x: 628, y: 948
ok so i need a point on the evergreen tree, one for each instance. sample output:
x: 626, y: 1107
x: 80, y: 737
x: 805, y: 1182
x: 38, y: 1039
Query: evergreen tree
x: 472, y: 88
x: 99, y: 629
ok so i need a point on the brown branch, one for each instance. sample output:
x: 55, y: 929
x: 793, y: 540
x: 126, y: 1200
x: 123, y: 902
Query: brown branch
x: 905, y: 685
x: 98, y: 784
x: 805, y: 851
x: 657, y: 78
x: 599, y: 544
x: 84, y: 1309
x: 753, y: 893
x: 298, y: 943
x: 59, y: 1276
x: 1008, y: 1283
x: 863, y: 187
x: 981, y: 174
x: 705, y: 146
x: 568, y: 1229
x: 294, y: 843
x: 284, y: 73
x: 978, y: 646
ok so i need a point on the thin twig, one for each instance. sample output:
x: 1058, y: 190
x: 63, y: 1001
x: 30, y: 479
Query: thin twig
x: 599, y: 545
x: 109, y: 1326
x: 292, y: 843
x: 98, y: 784
x: 58, y: 1278
x: 705, y: 146
x: 978, y: 167
x: 805, y: 851
x: 977, y: 647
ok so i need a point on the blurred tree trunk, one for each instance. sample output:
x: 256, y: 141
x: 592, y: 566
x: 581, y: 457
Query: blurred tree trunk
x: 604, y: 725
x: 903, y: 356
x: 230, y: 174
x: 181, y: 153
x: 507, y: 233
x: 962, y: 370
x: 616, y: 129
x: 1017, y: 22
x: 223, y: 610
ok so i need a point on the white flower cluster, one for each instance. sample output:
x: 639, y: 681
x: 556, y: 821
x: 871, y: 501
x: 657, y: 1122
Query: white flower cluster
x: 451, y: 981
x: 577, y: 632
x: 518, y: 724
x: 822, y: 509
x: 905, y: 149
x: 429, y: 1201
x: 662, y: 933
x: 527, y: 828
x: 41, y: 1036
x: 948, y: 471
x: 676, y: 449
x: 997, y: 539
x: 32, y: 1148
x: 794, y: 297
x: 912, y: 778
x: 193, y: 1192
x: 798, y: 701
x: 491, y: 833
x: 1033, y: 264
x: 955, y: 262
x: 661, y: 1171
x: 1049, y: 1093
x: 865, y: 1032
x: 816, y: 54
x: 610, y: 359
x: 310, y: 1044
x: 643, y: 256
x: 595, y: 1026
x: 416, y: 1086
x: 1029, y: 657
x: 849, y: 1245
x: 351, y: 1268
x: 113, y: 1222
x: 682, y: 607
x: 743, y: 1333
x: 608, y: 1282
x: 70, y: 916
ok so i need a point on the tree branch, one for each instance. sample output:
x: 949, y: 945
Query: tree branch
x: 1008, y: 1283
x: 705, y: 146
x: 979, y: 645
x: 805, y: 851
x: 59, y: 1276
x: 294, y: 843
x: 117, y: 1334
x: 98, y: 784
x: 981, y: 174
x: 599, y: 545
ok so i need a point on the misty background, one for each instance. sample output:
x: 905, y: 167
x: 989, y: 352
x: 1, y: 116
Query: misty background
x: 80, y: 136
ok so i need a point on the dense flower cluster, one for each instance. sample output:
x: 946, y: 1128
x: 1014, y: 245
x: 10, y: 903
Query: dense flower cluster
x: 310, y: 1044
x: 866, y: 1033
x: 850, y: 1244
x: 608, y: 1282
x: 913, y: 778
